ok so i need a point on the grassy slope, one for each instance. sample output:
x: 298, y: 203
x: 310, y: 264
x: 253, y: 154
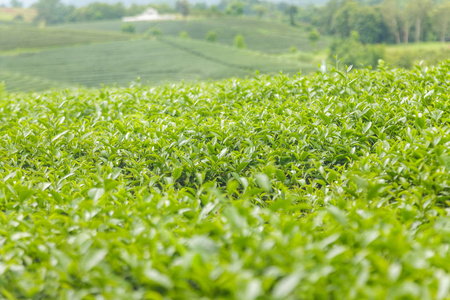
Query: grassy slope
x: 264, y: 36
x: 24, y: 52
x: 24, y: 37
x: 153, y: 61
x: 23, y: 82
x: 250, y: 60
x: 327, y: 187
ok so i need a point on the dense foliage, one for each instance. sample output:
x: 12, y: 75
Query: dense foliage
x: 55, y: 11
x: 335, y: 186
x: 352, y: 52
x: 383, y: 21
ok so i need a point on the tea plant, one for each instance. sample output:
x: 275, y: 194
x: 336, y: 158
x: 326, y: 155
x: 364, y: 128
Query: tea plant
x: 335, y: 186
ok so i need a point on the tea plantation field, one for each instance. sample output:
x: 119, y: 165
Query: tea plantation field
x: 334, y: 186
x: 260, y: 35
x: 153, y: 61
x: 18, y: 81
x: 97, y: 53
x: 26, y: 37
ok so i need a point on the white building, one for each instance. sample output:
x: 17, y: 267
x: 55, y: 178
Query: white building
x: 150, y: 14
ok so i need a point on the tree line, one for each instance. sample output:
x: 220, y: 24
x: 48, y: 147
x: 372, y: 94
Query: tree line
x: 55, y: 11
x: 384, y: 21
x: 375, y: 21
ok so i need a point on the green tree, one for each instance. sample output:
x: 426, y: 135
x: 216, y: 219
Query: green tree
x: 345, y: 18
x: 407, y: 16
x: 98, y: 11
x: 313, y: 37
x: 420, y: 10
x: 391, y: 15
x: 211, y: 36
x: 183, y: 8
x: 135, y: 9
x: 323, y: 18
x: 369, y: 24
x: 292, y: 11
x: 239, y: 41
x: 260, y: 10
x: 52, y: 11
x: 351, y: 52
x: 235, y: 8
x: 441, y: 20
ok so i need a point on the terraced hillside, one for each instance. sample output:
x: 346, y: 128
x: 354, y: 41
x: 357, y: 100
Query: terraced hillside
x: 13, y: 81
x: 95, y: 54
x: 335, y: 186
x: 153, y: 61
x: 26, y: 37
x: 264, y: 36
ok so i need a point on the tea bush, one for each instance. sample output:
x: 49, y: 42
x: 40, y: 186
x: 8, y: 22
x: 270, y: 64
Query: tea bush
x: 239, y: 41
x: 211, y: 36
x: 335, y: 186
x: 128, y: 28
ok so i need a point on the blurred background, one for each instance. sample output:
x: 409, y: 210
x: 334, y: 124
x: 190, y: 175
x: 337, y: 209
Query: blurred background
x: 47, y: 44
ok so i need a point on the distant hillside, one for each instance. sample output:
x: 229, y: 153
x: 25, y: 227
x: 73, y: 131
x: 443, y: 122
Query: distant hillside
x: 260, y: 35
x: 85, y: 2
x: 128, y: 2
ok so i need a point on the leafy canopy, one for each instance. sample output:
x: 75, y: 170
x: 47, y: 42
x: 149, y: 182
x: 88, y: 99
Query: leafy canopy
x: 334, y: 186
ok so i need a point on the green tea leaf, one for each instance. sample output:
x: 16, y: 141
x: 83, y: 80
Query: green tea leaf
x: 92, y: 259
x: 263, y: 181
